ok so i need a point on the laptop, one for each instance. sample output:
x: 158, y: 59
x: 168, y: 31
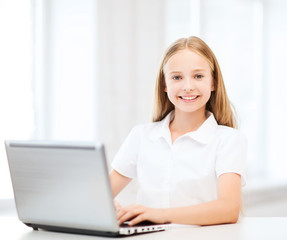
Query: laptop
x: 64, y: 186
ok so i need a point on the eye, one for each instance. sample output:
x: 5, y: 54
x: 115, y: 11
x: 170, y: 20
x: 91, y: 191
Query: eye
x: 198, y: 76
x: 176, y: 77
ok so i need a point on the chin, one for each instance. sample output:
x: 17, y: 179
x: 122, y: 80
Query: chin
x: 191, y: 110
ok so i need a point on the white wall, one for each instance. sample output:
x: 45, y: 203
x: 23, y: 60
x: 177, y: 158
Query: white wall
x: 277, y: 84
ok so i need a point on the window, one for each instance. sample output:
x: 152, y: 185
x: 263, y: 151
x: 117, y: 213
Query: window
x: 48, y: 81
x: 64, y: 69
x: 16, y: 100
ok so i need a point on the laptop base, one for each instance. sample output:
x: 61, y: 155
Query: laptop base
x: 36, y: 227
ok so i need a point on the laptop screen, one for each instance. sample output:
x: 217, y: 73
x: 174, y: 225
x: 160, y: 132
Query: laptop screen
x: 63, y: 184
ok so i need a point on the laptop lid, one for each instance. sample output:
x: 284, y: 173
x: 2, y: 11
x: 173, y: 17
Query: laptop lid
x: 62, y: 184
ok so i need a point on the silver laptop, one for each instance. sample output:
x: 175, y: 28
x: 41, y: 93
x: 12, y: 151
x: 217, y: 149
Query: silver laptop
x: 64, y: 186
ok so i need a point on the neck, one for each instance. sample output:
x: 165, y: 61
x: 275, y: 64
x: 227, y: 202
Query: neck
x: 184, y: 122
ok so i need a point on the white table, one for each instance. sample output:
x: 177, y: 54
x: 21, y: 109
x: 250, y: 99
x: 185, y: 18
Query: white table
x: 245, y: 229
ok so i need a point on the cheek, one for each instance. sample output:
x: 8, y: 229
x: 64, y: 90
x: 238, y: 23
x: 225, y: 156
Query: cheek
x: 206, y: 89
x: 167, y: 87
x: 171, y: 89
x: 171, y: 92
x: 207, y: 86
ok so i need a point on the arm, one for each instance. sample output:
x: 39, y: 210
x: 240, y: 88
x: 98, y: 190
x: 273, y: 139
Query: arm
x: 223, y: 210
x: 118, y: 182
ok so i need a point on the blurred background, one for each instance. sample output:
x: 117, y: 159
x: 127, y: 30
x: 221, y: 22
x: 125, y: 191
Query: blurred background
x: 85, y: 70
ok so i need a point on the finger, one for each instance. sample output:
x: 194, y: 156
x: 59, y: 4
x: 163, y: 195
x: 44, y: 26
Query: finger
x: 129, y: 215
x: 121, y: 213
x: 117, y: 205
x: 139, y: 218
x: 118, y: 210
x: 125, y: 217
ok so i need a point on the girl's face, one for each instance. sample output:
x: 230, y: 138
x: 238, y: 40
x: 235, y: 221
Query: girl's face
x: 188, y: 81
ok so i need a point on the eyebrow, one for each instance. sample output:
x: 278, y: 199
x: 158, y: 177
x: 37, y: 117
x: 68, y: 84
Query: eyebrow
x: 199, y: 70
x: 173, y: 72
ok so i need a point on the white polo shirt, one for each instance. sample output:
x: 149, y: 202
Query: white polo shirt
x: 183, y: 173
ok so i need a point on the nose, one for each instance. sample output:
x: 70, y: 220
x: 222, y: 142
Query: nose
x: 188, y: 85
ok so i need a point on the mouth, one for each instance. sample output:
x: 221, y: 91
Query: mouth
x: 189, y: 99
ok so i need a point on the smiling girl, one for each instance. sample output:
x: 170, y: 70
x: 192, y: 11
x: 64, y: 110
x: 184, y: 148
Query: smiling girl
x: 189, y: 162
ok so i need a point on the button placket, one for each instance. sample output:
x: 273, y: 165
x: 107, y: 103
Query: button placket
x: 169, y: 177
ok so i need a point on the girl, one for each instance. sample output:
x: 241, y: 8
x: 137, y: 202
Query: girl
x: 189, y: 162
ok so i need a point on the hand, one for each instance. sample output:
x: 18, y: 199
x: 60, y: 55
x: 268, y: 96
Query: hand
x: 138, y: 213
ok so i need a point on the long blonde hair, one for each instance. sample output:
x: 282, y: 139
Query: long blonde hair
x: 218, y: 103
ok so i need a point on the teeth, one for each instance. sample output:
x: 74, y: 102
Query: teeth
x: 189, y: 98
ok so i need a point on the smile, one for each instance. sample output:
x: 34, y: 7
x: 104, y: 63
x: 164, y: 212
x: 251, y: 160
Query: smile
x: 188, y: 98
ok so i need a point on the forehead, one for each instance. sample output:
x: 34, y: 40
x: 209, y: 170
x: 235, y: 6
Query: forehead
x: 186, y: 60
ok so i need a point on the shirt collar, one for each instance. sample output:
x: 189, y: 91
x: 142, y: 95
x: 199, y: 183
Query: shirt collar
x: 202, y: 135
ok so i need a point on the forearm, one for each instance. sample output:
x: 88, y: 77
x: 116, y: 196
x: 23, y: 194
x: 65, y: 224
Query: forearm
x: 223, y: 210
x: 118, y: 182
x: 214, y: 212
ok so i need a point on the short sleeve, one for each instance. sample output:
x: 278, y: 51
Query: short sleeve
x: 125, y: 161
x: 231, y: 155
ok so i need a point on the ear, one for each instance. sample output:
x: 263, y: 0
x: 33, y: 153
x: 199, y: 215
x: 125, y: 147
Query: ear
x: 212, y: 86
x: 165, y: 88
